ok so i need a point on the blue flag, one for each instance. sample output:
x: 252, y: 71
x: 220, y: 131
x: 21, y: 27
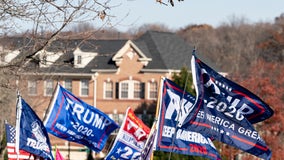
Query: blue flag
x: 72, y: 119
x: 245, y: 102
x: 33, y: 136
x: 175, y: 104
x: 222, y: 111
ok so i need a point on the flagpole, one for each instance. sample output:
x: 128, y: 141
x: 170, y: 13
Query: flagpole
x: 46, y: 114
x: 159, y: 98
x: 18, y: 122
x: 181, y: 102
x: 157, y: 111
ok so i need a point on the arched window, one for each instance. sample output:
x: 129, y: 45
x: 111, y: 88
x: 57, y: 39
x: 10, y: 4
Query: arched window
x: 131, y: 89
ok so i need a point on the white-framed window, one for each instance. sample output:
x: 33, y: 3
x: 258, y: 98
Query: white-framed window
x: 153, y: 90
x: 32, y: 87
x: 108, y: 90
x: 68, y: 84
x: 137, y: 90
x: 44, y: 59
x: 131, y: 89
x: 84, y: 87
x: 48, y: 87
x: 79, y: 60
x: 124, y: 90
x: 2, y: 57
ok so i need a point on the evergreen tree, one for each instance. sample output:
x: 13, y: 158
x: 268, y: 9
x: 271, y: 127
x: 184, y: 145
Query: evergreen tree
x: 184, y: 80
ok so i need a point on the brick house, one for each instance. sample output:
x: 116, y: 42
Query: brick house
x: 109, y: 74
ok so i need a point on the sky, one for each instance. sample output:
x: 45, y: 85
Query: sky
x: 134, y: 13
x: 131, y: 14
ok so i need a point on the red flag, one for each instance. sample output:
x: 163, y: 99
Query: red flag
x: 58, y: 156
x: 10, y: 136
x: 130, y: 139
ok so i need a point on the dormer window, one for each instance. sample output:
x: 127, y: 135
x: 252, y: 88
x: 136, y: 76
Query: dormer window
x: 2, y: 58
x: 82, y: 58
x: 79, y: 59
x: 48, y: 58
x: 44, y: 60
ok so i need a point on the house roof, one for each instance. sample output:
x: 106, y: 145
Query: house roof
x: 163, y: 50
x: 168, y: 50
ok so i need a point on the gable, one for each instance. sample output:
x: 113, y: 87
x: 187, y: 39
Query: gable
x: 130, y: 49
x: 81, y: 59
x: 7, y: 56
x: 48, y: 58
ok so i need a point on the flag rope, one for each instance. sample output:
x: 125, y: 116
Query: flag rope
x: 181, y: 102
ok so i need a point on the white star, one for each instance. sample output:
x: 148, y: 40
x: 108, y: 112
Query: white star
x: 118, y: 150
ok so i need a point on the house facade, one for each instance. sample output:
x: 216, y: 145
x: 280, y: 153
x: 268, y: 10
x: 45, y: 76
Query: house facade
x: 109, y: 74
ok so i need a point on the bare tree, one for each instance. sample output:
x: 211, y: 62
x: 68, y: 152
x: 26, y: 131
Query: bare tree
x: 171, y: 2
x: 143, y: 28
x: 231, y: 47
x: 45, y: 21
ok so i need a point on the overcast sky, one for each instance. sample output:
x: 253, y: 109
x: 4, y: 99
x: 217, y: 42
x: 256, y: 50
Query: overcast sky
x: 187, y: 12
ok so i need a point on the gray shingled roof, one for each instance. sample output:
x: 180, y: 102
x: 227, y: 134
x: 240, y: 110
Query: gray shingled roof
x: 167, y: 50
x: 64, y: 64
x: 106, y: 49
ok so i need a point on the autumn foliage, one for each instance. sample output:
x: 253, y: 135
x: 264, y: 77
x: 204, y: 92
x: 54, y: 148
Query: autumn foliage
x: 266, y: 79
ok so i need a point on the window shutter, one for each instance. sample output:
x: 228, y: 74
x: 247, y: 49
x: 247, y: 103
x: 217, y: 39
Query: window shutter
x: 116, y: 90
x: 142, y: 94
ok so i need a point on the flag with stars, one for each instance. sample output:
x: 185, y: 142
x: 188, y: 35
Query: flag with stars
x: 222, y: 116
x: 10, y: 137
x: 130, y: 139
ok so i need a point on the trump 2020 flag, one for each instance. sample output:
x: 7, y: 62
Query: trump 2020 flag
x: 240, y: 99
x: 130, y: 139
x: 32, y: 136
x: 175, y: 105
x: 221, y: 114
x: 72, y: 119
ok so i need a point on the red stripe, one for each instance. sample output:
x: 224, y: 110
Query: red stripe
x: 12, y: 155
x: 176, y: 148
x: 201, y: 124
x: 262, y: 110
x: 56, y: 117
x: 250, y: 143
